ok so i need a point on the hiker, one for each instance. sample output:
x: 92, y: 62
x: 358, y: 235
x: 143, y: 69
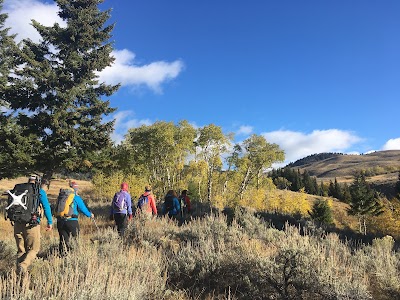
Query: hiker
x: 147, y: 203
x: 27, y: 228
x: 121, y: 206
x: 69, y: 204
x: 171, y: 205
x: 184, y: 202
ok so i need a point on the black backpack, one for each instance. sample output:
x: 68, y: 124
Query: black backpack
x: 169, y: 203
x: 23, y: 203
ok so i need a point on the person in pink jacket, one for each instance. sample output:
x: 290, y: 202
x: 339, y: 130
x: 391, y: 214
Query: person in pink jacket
x: 147, y: 202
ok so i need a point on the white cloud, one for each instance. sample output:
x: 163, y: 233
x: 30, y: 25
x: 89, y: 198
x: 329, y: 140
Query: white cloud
x: 20, y: 15
x: 244, y: 130
x: 124, y: 120
x: 125, y: 71
x: 392, y: 144
x: 298, y: 145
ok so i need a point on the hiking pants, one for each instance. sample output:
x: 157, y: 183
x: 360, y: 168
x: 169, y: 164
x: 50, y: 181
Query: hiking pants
x: 27, y: 238
x: 66, y: 229
x: 121, y: 222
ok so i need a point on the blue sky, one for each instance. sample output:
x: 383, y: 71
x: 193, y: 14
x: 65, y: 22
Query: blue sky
x: 311, y: 76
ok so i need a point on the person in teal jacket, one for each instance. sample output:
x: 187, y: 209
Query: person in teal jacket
x: 68, y: 227
x: 27, y: 235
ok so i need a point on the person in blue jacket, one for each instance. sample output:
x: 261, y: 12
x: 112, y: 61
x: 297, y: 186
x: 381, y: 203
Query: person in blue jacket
x: 68, y: 227
x: 171, y: 204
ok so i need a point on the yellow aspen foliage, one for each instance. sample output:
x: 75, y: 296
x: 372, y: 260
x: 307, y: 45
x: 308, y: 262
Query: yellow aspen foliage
x: 273, y: 200
x: 389, y: 221
x: 288, y: 202
x: 302, y: 205
x: 219, y: 202
x: 255, y: 199
x: 106, y: 186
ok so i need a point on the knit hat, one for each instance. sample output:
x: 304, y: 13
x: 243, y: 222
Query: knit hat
x: 124, y: 186
x: 73, y: 184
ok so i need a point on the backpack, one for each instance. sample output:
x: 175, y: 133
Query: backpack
x: 23, y: 203
x: 64, y: 207
x: 182, y: 201
x: 143, y: 200
x: 169, y: 203
x: 119, y: 201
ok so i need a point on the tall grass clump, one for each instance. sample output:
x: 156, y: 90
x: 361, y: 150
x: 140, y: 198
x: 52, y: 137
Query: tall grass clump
x: 383, y: 265
x: 7, y: 256
x: 254, y: 261
x: 103, y: 268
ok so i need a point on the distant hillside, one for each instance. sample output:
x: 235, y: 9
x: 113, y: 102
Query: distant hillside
x: 312, y: 159
x: 381, y: 167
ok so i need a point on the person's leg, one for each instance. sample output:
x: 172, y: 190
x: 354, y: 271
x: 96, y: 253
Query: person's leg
x: 72, y: 227
x: 19, y: 235
x: 32, y: 246
x: 64, y: 236
x: 120, y: 221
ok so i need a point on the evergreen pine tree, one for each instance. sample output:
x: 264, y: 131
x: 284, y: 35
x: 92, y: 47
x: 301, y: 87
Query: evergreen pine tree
x: 331, y: 189
x: 364, y: 201
x: 308, y: 183
x: 346, y: 195
x: 16, y: 148
x: 316, y: 186
x: 338, y: 190
x: 323, y: 191
x: 321, y: 212
x: 7, y: 48
x: 58, y: 84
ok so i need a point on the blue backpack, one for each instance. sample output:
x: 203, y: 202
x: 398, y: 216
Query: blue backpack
x: 119, y: 201
x: 142, y: 201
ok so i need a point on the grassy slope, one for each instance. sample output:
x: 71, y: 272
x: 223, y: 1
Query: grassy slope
x: 343, y: 167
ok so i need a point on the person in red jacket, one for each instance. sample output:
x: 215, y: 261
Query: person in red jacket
x: 147, y: 202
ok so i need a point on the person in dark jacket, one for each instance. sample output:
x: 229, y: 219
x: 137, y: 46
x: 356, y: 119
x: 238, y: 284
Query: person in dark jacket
x: 171, y: 205
x: 121, y: 208
x: 69, y: 226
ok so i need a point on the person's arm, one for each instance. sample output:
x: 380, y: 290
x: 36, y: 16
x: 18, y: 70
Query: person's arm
x: 46, y: 207
x: 129, y: 204
x: 82, y: 207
